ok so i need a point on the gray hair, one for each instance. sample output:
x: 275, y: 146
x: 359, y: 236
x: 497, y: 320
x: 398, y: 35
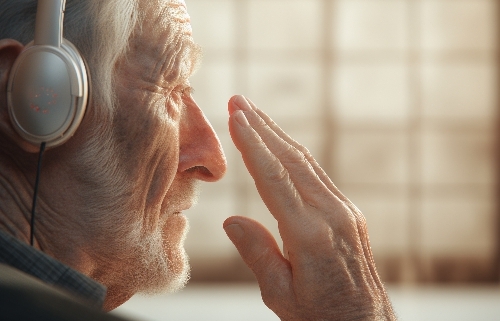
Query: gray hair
x: 99, y: 29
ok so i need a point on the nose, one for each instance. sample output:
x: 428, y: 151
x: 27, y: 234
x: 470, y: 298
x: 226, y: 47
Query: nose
x: 200, y: 153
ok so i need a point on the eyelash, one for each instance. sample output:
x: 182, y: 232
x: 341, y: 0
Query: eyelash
x: 179, y: 94
x: 185, y: 90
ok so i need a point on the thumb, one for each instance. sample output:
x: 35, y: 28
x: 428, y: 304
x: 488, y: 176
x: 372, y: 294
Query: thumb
x: 261, y: 253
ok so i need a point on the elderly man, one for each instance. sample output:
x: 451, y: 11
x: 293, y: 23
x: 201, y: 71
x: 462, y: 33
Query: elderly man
x: 110, y: 220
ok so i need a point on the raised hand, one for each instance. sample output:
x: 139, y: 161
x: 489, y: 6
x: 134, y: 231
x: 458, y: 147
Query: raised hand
x: 328, y: 271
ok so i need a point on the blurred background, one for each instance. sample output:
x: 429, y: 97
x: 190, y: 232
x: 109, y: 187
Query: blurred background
x: 396, y: 99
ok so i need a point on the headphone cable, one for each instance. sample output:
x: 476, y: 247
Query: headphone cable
x: 35, y: 193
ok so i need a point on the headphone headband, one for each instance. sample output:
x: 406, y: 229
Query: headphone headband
x: 49, y: 22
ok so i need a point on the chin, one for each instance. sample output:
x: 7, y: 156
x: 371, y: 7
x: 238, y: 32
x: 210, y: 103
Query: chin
x: 177, y: 257
x: 173, y: 268
x: 161, y: 263
x: 178, y: 274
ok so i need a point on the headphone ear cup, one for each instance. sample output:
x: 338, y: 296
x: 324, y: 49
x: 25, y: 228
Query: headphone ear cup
x: 47, y: 93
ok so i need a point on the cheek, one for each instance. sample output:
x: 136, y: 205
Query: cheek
x: 143, y: 123
x: 148, y: 145
x: 157, y: 175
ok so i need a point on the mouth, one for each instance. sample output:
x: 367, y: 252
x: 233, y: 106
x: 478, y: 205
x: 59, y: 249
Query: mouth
x: 183, y: 195
x: 180, y: 210
x: 185, y: 206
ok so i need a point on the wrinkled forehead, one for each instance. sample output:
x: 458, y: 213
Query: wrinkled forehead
x: 169, y: 12
x: 164, y: 40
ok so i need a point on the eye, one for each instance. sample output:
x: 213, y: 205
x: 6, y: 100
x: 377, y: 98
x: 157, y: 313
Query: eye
x: 187, y: 91
x: 179, y: 95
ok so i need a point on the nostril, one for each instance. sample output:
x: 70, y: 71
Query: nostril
x: 202, y: 170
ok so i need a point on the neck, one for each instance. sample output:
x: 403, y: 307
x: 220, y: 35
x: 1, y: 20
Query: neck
x: 16, y: 197
x: 75, y: 217
x: 15, y: 200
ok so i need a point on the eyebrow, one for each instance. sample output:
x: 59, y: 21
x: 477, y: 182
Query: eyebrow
x: 183, y: 62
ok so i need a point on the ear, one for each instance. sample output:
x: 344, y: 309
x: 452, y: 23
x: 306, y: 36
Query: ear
x: 9, y: 51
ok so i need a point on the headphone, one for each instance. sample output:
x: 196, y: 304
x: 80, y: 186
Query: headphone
x: 48, y: 87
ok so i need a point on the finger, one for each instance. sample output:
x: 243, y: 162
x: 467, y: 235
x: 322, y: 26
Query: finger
x: 307, y: 154
x: 365, y: 243
x: 262, y: 255
x: 271, y: 178
x: 311, y: 189
x: 300, y: 224
x: 303, y: 232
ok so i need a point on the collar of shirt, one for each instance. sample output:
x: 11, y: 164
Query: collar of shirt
x: 25, y: 258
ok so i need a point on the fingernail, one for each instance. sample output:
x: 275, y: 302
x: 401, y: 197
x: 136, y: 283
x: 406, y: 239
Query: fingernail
x: 242, y: 103
x: 234, y: 232
x: 241, y: 119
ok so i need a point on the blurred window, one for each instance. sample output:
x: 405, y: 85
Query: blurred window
x: 397, y: 99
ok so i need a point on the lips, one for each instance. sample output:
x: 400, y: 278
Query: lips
x: 182, y: 195
x: 180, y: 209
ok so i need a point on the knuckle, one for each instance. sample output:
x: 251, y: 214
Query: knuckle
x: 356, y: 213
x: 257, y: 121
x: 305, y: 151
x: 276, y: 173
x: 317, y: 237
x: 360, y: 218
x: 344, y: 218
x: 258, y: 260
x: 292, y: 155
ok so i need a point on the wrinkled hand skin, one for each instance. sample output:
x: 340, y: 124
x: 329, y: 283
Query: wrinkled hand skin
x: 328, y: 271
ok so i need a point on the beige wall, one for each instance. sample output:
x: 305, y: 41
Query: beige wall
x: 397, y: 100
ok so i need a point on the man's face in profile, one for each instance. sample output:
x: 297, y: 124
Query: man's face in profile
x: 163, y: 146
